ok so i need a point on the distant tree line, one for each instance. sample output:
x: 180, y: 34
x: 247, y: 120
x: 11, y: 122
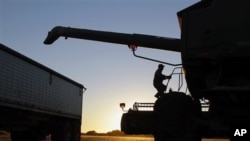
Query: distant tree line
x: 111, y: 133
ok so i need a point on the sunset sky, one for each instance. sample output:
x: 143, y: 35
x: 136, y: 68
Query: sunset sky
x: 110, y: 72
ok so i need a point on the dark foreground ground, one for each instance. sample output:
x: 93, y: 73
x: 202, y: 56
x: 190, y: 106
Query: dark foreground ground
x: 110, y: 138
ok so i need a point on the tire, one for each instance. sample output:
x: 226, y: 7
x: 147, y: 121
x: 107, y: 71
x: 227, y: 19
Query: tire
x: 175, y: 118
x: 76, y: 134
x: 24, y: 136
x: 62, y: 131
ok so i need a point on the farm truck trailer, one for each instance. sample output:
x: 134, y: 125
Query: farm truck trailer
x: 36, y: 101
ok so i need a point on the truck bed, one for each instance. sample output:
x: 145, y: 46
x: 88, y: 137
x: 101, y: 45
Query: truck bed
x: 27, y: 84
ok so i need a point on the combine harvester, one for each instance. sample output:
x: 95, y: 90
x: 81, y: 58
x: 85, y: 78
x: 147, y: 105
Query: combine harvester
x: 214, y: 47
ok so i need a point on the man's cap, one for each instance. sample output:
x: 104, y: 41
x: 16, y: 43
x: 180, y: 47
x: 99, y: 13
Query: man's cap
x: 160, y: 66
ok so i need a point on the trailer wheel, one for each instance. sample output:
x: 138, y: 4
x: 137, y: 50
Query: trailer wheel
x: 19, y: 136
x: 24, y: 136
x: 76, y: 132
x: 62, y: 131
x: 175, y: 118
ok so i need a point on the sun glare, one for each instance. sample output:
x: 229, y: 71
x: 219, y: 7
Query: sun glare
x: 116, y: 120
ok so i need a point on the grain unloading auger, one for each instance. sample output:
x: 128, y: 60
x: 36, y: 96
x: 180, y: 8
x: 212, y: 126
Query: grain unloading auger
x: 149, y: 41
x: 214, y: 47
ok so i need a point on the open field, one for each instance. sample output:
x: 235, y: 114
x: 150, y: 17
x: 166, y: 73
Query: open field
x: 110, y: 138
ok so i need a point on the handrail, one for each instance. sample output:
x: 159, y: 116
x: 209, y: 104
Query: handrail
x: 180, y: 82
x: 133, y: 49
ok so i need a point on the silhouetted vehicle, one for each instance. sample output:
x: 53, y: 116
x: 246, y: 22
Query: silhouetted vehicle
x: 214, y: 47
x: 36, y: 101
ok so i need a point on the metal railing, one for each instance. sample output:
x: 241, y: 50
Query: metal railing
x: 137, y: 106
x: 180, y: 77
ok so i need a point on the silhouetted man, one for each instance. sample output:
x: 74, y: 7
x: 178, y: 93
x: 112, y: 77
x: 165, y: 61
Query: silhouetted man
x: 158, y: 81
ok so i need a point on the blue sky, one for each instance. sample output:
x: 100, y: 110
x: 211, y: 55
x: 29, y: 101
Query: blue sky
x: 110, y: 72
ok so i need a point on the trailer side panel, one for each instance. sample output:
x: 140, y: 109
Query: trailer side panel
x: 27, y: 84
